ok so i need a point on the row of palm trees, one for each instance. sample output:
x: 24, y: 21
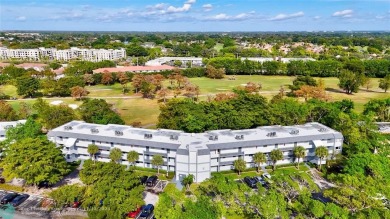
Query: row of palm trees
x: 299, y: 153
x: 132, y: 156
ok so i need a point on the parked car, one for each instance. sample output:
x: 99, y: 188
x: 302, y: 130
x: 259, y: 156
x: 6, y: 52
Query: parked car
x: 134, y: 214
x: 76, y: 204
x: 143, y: 179
x: 147, y: 211
x: 2, y: 180
x: 8, y: 198
x: 260, y: 180
x: 250, y: 182
x: 151, y: 181
x: 266, y: 176
x: 19, y: 199
x: 44, y: 184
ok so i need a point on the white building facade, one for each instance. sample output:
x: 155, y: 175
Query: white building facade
x: 196, y: 154
x: 93, y: 55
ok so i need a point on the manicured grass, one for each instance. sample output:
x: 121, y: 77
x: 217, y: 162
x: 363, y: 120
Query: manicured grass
x: 145, y: 111
x: 114, y: 90
x: 218, y: 47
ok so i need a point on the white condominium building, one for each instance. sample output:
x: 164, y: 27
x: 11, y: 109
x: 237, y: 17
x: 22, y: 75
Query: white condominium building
x: 94, y: 55
x: 197, y: 154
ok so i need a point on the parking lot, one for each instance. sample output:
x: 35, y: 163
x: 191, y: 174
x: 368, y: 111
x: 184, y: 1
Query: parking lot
x: 32, y: 204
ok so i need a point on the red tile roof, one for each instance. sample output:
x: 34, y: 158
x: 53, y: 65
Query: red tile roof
x: 135, y: 69
x: 31, y: 65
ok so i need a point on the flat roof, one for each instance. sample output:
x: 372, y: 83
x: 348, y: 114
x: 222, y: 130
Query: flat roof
x: 7, y: 124
x: 211, y: 140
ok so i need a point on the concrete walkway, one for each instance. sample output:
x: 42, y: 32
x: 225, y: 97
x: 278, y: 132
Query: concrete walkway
x: 319, y: 180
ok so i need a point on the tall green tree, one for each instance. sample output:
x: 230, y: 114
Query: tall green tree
x: 30, y: 129
x: 322, y: 153
x: 93, y: 149
x: 157, y: 161
x: 99, y: 111
x: 132, y: 157
x: 115, y: 155
x: 53, y: 116
x: 275, y: 155
x: 35, y: 160
x: 27, y: 86
x: 299, y: 153
x: 259, y: 158
x: 350, y: 81
x: 239, y: 165
x: 384, y: 83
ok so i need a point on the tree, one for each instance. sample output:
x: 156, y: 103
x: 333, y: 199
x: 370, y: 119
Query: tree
x: 99, y: 111
x: 115, y: 155
x: 322, y: 153
x: 132, y: 157
x: 109, y: 195
x: 65, y: 195
x: 163, y: 93
x: 27, y: 86
x: 367, y: 82
x: 299, y: 153
x: 53, y: 116
x: 78, y: 92
x: 187, y: 181
x: 7, y: 113
x: 24, y: 110
x: 384, y: 83
x: 349, y: 81
x: 88, y: 79
x: 107, y: 78
x: 239, y: 165
x: 275, y: 155
x: 215, y: 73
x: 30, y: 129
x: 157, y: 161
x: 252, y: 87
x: 35, y: 160
x: 93, y: 149
x: 123, y: 80
x: 258, y: 159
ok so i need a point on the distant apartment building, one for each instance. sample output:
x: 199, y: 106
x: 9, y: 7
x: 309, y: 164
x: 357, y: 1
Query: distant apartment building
x: 197, y: 154
x: 93, y: 55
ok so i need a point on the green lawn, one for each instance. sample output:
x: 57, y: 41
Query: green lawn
x: 218, y: 47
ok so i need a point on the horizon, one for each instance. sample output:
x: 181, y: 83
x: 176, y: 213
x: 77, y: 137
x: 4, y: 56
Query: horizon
x: 196, y: 16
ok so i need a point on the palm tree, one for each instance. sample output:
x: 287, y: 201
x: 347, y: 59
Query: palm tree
x: 92, y: 151
x: 115, y: 155
x: 187, y: 181
x: 259, y: 158
x: 157, y: 161
x: 322, y: 153
x: 299, y: 152
x: 276, y: 155
x: 239, y: 165
x: 132, y: 157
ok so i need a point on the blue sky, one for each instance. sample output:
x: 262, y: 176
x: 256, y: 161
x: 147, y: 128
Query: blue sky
x: 195, y: 15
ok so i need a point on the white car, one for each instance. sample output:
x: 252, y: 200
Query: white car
x: 266, y: 175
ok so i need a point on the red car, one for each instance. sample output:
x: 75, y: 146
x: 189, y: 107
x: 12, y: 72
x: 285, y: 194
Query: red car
x: 76, y: 204
x: 134, y: 214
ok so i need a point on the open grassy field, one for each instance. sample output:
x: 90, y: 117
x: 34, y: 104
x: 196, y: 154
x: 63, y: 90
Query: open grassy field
x: 218, y: 47
x: 133, y: 108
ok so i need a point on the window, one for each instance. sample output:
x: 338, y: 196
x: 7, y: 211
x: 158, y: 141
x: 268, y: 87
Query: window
x: 265, y: 146
x: 218, y: 151
x: 337, y: 148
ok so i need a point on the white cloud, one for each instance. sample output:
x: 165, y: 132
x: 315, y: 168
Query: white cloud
x: 225, y: 17
x: 190, y: 2
x: 316, y: 17
x: 344, y: 13
x: 207, y: 7
x: 184, y: 8
x: 281, y: 17
x: 159, y: 6
x: 21, y: 18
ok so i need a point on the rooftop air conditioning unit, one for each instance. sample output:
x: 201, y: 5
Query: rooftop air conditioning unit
x: 68, y: 127
x: 118, y: 133
x: 94, y: 130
